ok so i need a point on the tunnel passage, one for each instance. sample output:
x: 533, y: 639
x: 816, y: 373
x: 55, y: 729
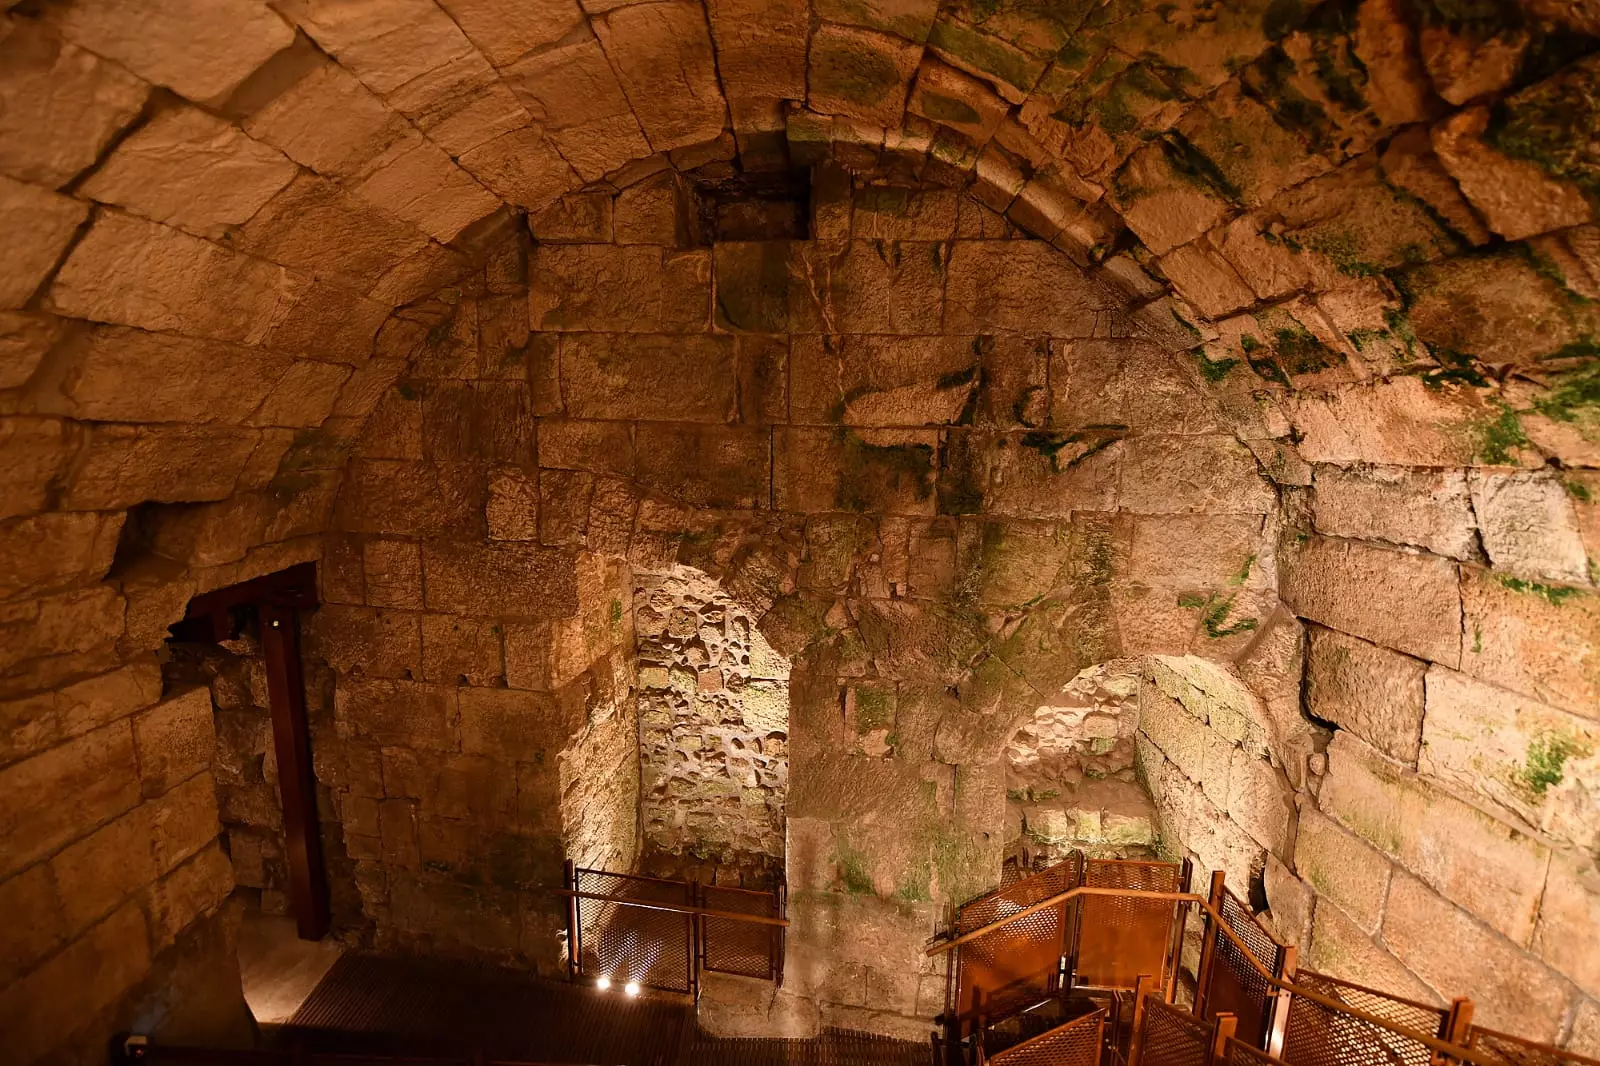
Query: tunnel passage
x: 1262, y: 334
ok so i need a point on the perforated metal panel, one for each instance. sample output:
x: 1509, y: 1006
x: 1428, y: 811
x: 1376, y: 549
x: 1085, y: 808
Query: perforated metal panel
x: 1235, y: 987
x: 1020, y: 963
x: 1078, y: 1043
x: 1121, y: 939
x: 630, y: 943
x: 1515, y: 1051
x: 1170, y: 1036
x: 1323, y: 1036
x: 731, y: 946
x: 1238, y: 1053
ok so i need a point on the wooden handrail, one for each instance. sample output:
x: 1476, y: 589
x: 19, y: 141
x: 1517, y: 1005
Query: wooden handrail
x: 1279, y: 987
x: 675, y: 908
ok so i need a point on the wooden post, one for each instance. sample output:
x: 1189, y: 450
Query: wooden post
x: 1280, y: 1004
x: 569, y: 879
x: 291, y: 742
x: 1457, y: 1027
x: 1208, y: 947
x: 1227, y: 1025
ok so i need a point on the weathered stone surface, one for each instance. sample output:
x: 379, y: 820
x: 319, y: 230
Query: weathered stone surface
x: 1571, y: 908
x: 1342, y: 948
x: 662, y: 54
x: 1533, y: 761
x: 640, y: 376
x: 199, y: 48
x: 40, y: 225
x: 96, y: 769
x: 1371, y: 691
x: 472, y: 579
x: 634, y: 289
x: 1529, y: 526
x: 521, y: 167
x: 860, y: 73
x: 881, y: 381
x: 424, y: 187
x: 1004, y: 287
x: 328, y: 121
x: 409, y: 499
x: 126, y: 465
x: 1210, y: 474
x: 506, y: 30
x: 867, y: 287
x: 1402, y: 422
x: 142, y: 274
x: 705, y: 466
x: 1479, y: 862
x: 1540, y: 640
x: 52, y: 551
x: 871, y: 470
x: 1517, y: 198
x: 190, y: 170
x: 1397, y: 599
x: 951, y: 98
x: 572, y: 89
x: 174, y: 740
x: 317, y: 226
x: 1343, y: 869
x: 577, y: 218
x: 62, y: 104
x: 403, y: 713
x: 1448, y: 950
x: 1429, y: 510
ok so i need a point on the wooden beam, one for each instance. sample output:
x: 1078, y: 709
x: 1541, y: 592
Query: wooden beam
x: 291, y: 741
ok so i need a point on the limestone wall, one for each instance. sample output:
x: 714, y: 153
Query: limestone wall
x: 713, y: 733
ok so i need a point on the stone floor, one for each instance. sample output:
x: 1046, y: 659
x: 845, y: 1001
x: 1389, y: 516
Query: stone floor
x: 374, y: 1005
x: 278, y: 969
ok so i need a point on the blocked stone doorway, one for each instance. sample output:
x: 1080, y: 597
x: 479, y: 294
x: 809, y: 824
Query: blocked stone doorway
x: 1070, y: 776
x: 713, y: 709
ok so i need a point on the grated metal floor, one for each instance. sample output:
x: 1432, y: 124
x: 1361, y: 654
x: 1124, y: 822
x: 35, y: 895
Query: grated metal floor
x: 370, y: 1004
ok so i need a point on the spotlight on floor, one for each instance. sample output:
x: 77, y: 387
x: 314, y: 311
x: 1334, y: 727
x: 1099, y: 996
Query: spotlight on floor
x: 603, y: 984
x: 632, y: 988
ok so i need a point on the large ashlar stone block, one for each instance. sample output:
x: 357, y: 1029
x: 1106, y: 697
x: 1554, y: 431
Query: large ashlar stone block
x: 761, y: 49
x: 109, y: 378
x: 882, y: 381
x: 36, y: 723
x: 410, y: 499
x: 1196, y: 551
x: 98, y: 770
x: 572, y: 89
x: 138, y: 273
x: 629, y: 289
x: 691, y: 379
x: 1533, y: 761
x: 52, y: 551
x: 518, y: 725
x: 1518, y: 315
x: 706, y: 466
x: 1398, y: 599
x: 174, y: 740
x: 887, y: 471
x: 1210, y: 474
x: 202, y: 49
x: 193, y: 171
x: 326, y: 120
x: 663, y: 56
x: 63, y: 104
x: 510, y: 580
x: 1019, y: 287
x: 1342, y: 948
x: 1567, y: 918
x: 1126, y: 382
x: 315, y: 225
x: 1444, y: 946
x: 424, y: 187
x: 1343, y: 869
x: 1529, y: 525
x: 867, y: 287
x: 860, y: 73
x: 126, y: 465
x: 1483, y: 864
x: 399, y: 713
x: 1402, y: 422
x: 375, y: 642
x: 385, y: 45
x: 506, y: 30
x: 1540, y: 640
x: 1260, y: 801
x: 1160, y: 203
x: 40, y: 225
x: 1425, y: 509
x: 522, y: 167
x: 1371, y: 691
x: 1517, y: 197
x: 88, y: 976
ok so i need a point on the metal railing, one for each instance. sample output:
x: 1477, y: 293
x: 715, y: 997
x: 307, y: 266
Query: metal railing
x: 650, y: 932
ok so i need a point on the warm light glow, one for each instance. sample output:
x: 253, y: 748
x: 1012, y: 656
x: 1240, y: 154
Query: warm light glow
x: 603, y: 984
x: 632, y: 988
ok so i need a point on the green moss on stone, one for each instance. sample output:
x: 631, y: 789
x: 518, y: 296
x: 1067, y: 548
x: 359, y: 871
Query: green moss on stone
x: 1547, y: 760
x: 1495, y: 439
x: 942, y: 108
x: 1538, y: 126
x: 854, y: 72
x: 1574, y: 394
x: 1300, y: 352
x: 1555, y: 595
x: 1214, y: 370
x: 1214, y: 611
